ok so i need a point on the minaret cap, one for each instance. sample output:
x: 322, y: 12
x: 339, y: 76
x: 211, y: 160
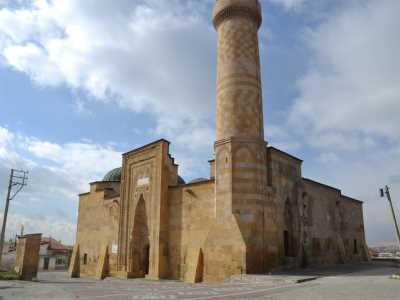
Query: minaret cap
x: 224, y: 9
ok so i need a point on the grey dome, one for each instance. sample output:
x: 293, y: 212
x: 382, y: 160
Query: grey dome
x: 181, y: 180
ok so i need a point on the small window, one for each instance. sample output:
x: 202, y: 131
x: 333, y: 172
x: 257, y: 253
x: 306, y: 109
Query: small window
x: 286, y: 243
x: 355, y: 247
x: 85, y: 259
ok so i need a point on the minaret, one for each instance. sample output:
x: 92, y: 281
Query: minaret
x: 239, y: 99
x: 240, y: 149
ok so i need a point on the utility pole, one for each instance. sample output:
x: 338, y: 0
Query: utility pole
x: 18, y: 179
x: 386, y: 192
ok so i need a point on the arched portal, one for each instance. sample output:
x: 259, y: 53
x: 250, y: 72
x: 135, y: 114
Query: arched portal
x: 140, y: 249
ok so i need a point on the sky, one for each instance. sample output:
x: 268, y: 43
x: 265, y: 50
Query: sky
x: 82, y: 82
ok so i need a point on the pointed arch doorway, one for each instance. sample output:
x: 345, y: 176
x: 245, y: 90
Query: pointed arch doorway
x: 140, y: 249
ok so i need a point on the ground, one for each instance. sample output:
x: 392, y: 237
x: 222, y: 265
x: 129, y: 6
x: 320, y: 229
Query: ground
x: 367, y: 281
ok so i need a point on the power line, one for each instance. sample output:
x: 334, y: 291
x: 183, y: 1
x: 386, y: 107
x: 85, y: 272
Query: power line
x: 386, y: 192
x: 18, y: 179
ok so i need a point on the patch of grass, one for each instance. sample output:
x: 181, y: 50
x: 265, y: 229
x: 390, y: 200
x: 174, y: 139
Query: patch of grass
x: 11, y: 275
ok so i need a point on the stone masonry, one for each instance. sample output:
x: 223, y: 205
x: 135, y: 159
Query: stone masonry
x: 254, y: 214
x: 27, y: 258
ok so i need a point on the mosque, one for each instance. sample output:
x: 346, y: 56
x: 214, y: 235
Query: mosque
x: 254, y: 214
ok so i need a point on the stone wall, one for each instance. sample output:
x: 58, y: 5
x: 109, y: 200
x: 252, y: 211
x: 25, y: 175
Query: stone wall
x: 27, y: 257
x: 284, y: 177
x: 316, y: 223
x: 97, y: 229
x: 323, y: 237
x: 146, y: 174
x: 334, y: 226
x: 352, y: 229
x: 191, y: 213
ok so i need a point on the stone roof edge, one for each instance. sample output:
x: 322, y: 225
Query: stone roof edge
x: 323, y: 184
x: 285, y: 153
x: 147, y: 145
x: 100, y: 181
x: 351, y: 199
x: 193, y: 183
x: 335, y: 189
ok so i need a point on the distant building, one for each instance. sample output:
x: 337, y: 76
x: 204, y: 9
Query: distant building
x: 385, y: 255
x: 53, y: 255
x: 9, y: 246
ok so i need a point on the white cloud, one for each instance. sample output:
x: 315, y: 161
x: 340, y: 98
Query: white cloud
x: 351, y: 90
x: 27, y: 58
x: 289, y: 4
x: 148, y: 56
x: 47, y: 225
x: 280, y: 137
x: 5, y: 136
x: 158, y: 57
x: 347, y: 111
x: 328, y: 157
x: 82, y: 161
x: 57, y: 174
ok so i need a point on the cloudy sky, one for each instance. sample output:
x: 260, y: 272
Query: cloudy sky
x: 83, y: 81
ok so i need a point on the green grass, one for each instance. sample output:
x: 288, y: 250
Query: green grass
x: 11, y: 275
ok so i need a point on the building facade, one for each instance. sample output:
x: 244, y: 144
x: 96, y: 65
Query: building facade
x: 255, y: 213
x: 53, y: 255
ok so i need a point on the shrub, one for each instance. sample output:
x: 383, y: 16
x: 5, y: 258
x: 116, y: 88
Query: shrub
x: 10, y: 275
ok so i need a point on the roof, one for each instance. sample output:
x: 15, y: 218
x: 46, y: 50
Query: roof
x: 54, y: 244
x: 113, y: 176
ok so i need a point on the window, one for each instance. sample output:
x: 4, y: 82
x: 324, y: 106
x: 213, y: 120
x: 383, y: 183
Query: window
x: 355, y: 247
x: 85, y: 259
x: 59, y: 261
x: 286, y: 242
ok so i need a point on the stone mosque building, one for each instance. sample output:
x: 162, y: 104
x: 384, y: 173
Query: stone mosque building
x: 254, y: 214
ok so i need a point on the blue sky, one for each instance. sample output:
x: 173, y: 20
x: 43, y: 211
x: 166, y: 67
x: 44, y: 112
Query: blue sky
x: 83, y: 81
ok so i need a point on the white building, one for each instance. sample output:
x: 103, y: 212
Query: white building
x: 53, y: 255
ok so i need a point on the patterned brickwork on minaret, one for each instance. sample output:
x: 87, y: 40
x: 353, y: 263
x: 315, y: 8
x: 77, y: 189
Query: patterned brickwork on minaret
x: 241, y: 188
x: 239, y: 104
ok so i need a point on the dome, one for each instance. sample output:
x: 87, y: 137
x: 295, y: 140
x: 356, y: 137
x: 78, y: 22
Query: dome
x: 181, y: 180
x: 113, y: 175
